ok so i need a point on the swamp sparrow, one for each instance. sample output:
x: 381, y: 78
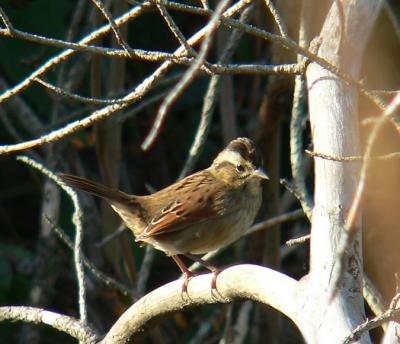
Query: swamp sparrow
x: 200, y: 213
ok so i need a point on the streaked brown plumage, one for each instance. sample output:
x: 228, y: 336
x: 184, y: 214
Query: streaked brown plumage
x: 200, y: 213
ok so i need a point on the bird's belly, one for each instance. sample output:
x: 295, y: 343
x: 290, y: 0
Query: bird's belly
x: 213, y: 233
x: 206, y: 236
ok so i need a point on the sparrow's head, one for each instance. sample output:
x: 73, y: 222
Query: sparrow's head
x: 239, y: 162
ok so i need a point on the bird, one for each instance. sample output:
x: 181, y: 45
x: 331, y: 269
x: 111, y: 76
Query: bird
x: 200, y: 213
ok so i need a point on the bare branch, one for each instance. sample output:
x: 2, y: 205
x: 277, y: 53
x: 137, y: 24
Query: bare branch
x: 373, y: 297
x: 277, y: 17
x: 174, y: 28
x: 133, y: 13
x: 114, y: 26
x: 98, y: 115
x: 6, y: 21
x: 268, y: 287
x: 297, y: 120
x: 22, y: 111
x: 145, y: 270
x: 77, y: 97
x: 187, y: 77
x: 210, y: 101
x: 368, y: 325
x: 243, y: 322
x: 156, y: 56
x: 297, y: 241
x: 76, y: 219
x: 276, y: 220
x: 388, y: 156
x: 106, y: 280
x: 294, y: 191
x: 272, y: 222
x: 64, y: 323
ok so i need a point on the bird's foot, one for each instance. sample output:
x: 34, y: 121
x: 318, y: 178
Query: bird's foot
x: 187, y: 276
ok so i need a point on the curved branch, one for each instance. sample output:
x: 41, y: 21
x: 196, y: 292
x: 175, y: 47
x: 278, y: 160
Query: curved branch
x: 241, y: 281
x: 64, y: 323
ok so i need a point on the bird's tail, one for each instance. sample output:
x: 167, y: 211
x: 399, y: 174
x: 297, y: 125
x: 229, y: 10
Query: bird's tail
x: 111, y: 195
x: 128, y: 207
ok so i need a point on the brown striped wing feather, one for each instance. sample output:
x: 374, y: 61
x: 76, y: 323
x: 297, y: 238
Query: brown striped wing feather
x: 196, y: 200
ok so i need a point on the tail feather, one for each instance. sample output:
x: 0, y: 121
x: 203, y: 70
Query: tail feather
x: 113, y: 196
x: 129, y: 208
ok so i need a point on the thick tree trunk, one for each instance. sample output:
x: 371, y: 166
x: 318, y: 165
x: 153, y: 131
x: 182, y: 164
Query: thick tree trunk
x: 334, y: 124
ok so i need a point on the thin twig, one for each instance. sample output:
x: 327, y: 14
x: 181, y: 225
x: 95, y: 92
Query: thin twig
x: 9, y: 126
x: 179, y: 35
x: 392, y: 333
x: 205, y: 4
x: 142, y: 105
x: 372, y: 296
x: 156, y: 56
x: 395, y: 301
x: 174, y: 28
x: 276, y: 220
x: 76, y: 219
x: 204, y: 328
x: 94, y: 117
x: 70, y: 95
x: 226, y: 21
x: 368, y: 325
x: 106, y: 280
x: 121, y: 229
x: 293, y: 190
x: 389, y: 156
x: 296, y: 147
x: 297, y: 121
x: 133, y: 13
x: 22, y: 112
x: 4, y: 118
x: 78, y: 14
x: 210, y: 99
x: 106, y: 13
x: 98, y: 115
x: 187, y: 77
x: 243, y: 322
x: 298, y: 241
x: 285, y: 42
x: 110, y: 52
x: 6, y: 21
x: 273, y: 221
x: 145, y: 270
x: 277, y: 17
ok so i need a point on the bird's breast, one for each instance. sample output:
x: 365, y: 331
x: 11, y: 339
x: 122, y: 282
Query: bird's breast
x: 235, y: 217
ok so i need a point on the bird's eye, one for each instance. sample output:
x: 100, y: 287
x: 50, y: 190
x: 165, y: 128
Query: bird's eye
x: 239, y: 168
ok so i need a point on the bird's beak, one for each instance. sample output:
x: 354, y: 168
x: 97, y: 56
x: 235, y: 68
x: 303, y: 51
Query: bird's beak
x: 260, y: 173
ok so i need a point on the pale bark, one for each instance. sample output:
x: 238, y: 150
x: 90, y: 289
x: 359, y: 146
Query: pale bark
x: 333, y: 108
x: 242, y: 281
x: 334, y: 124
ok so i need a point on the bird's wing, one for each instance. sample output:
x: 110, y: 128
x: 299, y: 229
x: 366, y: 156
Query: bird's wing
x: 196, y: 200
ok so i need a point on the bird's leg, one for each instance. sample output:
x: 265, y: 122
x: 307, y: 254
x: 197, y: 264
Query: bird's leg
x: 215, y: 271
x: 185, y: 271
